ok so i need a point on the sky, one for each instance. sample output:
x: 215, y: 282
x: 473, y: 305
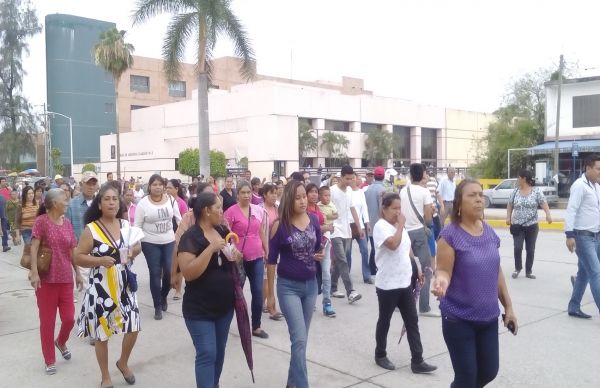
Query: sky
x: 457, y: 53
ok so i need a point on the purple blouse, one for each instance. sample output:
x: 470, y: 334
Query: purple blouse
x: 296, y: 250
x: 473, y: 291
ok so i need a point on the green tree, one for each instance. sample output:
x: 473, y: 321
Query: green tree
x: 113, y: 54
x: 88, y: 167
x: 188, y: 162
x: 335, y: 144
x: 57, y: 166
x: 18, y: 22
x: 307, y: 141
x: 202, y: 21
x: 218, y: 164
x: 243, y: 162
x: 378, y: 147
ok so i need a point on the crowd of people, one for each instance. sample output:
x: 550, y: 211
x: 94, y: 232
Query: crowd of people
x: 291, y: 240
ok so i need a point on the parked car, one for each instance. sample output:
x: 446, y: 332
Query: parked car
x: 499, y: 195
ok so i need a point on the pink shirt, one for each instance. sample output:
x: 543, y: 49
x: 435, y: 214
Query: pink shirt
x: 183, y: 207
x: 131, y: 213
x: 238, y: 223
x: 61, y: 240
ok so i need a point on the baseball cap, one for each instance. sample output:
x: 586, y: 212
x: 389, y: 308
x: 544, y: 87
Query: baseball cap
x: 58, y: 176
x: 379, y: 171
x: 88, y: 176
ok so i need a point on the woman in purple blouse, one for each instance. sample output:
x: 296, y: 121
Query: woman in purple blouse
x: 469, y: 282
x: 296, y: 239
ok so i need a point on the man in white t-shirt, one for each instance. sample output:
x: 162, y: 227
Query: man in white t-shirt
x: 138, y: 193
x: 341, y: 238
x: 421, y: 198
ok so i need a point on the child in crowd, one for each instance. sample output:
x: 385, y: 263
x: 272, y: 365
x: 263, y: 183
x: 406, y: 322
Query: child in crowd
x: 330, y: 213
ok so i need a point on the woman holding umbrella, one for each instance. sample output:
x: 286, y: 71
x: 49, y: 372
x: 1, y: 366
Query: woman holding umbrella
x: 296, y: 240
x: 209, y: 298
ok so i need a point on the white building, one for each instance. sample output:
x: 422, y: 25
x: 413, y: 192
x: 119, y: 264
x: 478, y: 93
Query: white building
x: 260, y: 121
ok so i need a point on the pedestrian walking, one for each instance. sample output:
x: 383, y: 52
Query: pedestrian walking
x: 522, y: 216
x: 447, y: 188
x: 269, y: 194
x: 373, y: 196
x: 393, y: 284
x: 582, y: 228
x: 296, y: 242
x: 360, y: 204
x: 330, y: 214
x: 469, y: 283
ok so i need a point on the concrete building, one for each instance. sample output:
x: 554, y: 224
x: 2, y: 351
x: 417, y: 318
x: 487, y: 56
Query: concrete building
x: 260, y: 121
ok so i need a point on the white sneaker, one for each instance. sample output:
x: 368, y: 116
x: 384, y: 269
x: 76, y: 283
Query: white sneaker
x: 354, y: 296
x: 338, y: 294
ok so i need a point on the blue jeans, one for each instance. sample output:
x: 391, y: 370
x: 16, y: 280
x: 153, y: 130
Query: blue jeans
x: 326, y: 275
x: 26, y: 236
x: 4, y: 223
x: 210, y: 339
x: 297, y: 301
x: 255, y: 272
x: 588, y: 270
x: 158, y: 258
x: 364, y: 253
x: 474, y: 351
x: 418, y: 240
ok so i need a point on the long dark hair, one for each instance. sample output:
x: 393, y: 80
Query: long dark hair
x: 26, y: 190
x: 455, y: 217
x: 527, y: 175
x: 94, y: 213
x: 286, y: 207
x: 177, y: 185
x: 267, y: 188
x: 200, y: 187
x: 203, y: 200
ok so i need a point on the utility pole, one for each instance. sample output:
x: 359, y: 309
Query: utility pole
x: 556, y: 150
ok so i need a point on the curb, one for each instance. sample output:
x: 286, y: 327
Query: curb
x: 557, y: 225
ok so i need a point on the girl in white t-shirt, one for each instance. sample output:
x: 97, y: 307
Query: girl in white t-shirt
x: 393, y: 284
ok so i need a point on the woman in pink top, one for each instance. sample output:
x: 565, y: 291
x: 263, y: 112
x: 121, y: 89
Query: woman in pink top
x: 175, y: 190
x: 269, y: 194
x: 130, y: 206
x: 54, y: 289
x: 249, y: 222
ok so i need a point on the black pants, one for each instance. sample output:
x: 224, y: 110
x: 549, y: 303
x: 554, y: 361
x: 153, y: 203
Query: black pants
x: 402, y: 298
x: 372, y: 265
x: 527, y: 234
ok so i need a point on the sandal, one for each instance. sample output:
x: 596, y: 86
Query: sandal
x: 50, y: 370
x: 276, y: 317
x: 129, y: 379
x: 265, y: 310
x: 66, y: 354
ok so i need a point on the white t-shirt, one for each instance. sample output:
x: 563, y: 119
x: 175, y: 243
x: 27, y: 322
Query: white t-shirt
x: 156, y: 220
x: 393, y: 266
x: 138, y: 195
x: 360, y: 204
x: 343, y: 202
x: 420, y: 197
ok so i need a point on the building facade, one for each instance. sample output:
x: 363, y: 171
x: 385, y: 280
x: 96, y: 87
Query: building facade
x: 260, y: 121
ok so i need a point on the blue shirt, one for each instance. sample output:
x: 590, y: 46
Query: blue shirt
x: 75, y: 212
x: 2, y: 207
x: 373, y: 196
x: 446, y: 189
x: 583, y: 210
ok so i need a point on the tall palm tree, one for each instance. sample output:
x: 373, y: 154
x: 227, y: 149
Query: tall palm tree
x: 335, y: 144
x: 203, y: 21
x: 113, y: 54
x: 307, y: 141
x: 378, y: 146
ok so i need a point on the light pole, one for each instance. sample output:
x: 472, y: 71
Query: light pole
x: 70, y: 134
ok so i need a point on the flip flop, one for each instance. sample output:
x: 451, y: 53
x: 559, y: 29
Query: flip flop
x: 50, y: 370
x: 276, y: 317
x: 66, y: 354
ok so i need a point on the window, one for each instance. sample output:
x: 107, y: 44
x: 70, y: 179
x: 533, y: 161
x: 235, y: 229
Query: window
x: 429, y: 144
x: 586, y: 111
x: 368, y: 127
x: 305, y: 122
x: 109, y: 107
x: 509, y: 184
x: 177, y: 88
x: 401, y: 143
x: 113, y: 152
x: 136, y: 107
x: 333, y: 125
x: 140, y: 84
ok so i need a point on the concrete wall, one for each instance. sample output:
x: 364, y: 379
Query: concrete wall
x: 459, y: 141
x: 566, y: 130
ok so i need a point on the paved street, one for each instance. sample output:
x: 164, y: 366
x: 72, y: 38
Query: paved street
x: 551, y: 349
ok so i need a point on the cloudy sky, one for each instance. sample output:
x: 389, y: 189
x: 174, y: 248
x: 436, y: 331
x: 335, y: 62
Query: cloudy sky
x: 455, y: 53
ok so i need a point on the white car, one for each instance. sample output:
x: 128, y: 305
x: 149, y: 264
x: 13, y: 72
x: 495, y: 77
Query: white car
x: 500, y: 194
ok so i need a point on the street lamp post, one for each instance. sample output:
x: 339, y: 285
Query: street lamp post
x: 70, y: 134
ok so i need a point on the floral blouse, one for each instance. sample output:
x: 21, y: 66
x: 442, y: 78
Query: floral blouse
x: 525, y: 207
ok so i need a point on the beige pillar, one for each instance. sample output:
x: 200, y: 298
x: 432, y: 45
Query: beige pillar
x: 415, y: 145
x: 441, y: 139
x: 390, y: 129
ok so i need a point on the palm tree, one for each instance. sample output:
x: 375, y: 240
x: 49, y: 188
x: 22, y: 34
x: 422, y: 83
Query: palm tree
x: 378, y: 146
x: 307, y: 141
x: 203, y: 21
x: 113, y: 54
x: 335, y: 144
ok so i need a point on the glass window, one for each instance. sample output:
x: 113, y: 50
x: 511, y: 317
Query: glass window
x: 586, y: 112
x: 368, y: 127
x: 509, y: 184
x: 401, y: 143
x: 333, y: 125
x: 138, y: 83
x: 428, y: 144
x: 177, y: 88
x: 306, y: 122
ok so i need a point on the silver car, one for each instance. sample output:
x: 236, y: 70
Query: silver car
x: 500, y: 194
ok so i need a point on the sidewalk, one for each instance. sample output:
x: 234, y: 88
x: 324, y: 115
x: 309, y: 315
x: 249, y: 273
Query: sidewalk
x: 551, y: 349
x: 497, y: 218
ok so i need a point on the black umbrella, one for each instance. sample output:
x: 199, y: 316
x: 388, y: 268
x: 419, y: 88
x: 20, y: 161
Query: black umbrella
x: 243, y: 321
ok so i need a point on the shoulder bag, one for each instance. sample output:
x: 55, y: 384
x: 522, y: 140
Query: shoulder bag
x: 428, y: 231
x: 44, y: 257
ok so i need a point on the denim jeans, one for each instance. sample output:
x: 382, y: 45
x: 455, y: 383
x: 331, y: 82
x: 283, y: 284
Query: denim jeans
x: 403, y: 299
x: 372, y: 265
x: 340, y: 247
x: 420, y: 248
x: 255, y: 271
x: 326, y: 275
x: 210, y: 339
x: 588, y: 270
x: 364, y: 255
x: 297, y: 301
x: 158, y: 258
x: 474, y: 351
x: 4, y: 225
x: 527, y: 235
x: 26, y: 236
